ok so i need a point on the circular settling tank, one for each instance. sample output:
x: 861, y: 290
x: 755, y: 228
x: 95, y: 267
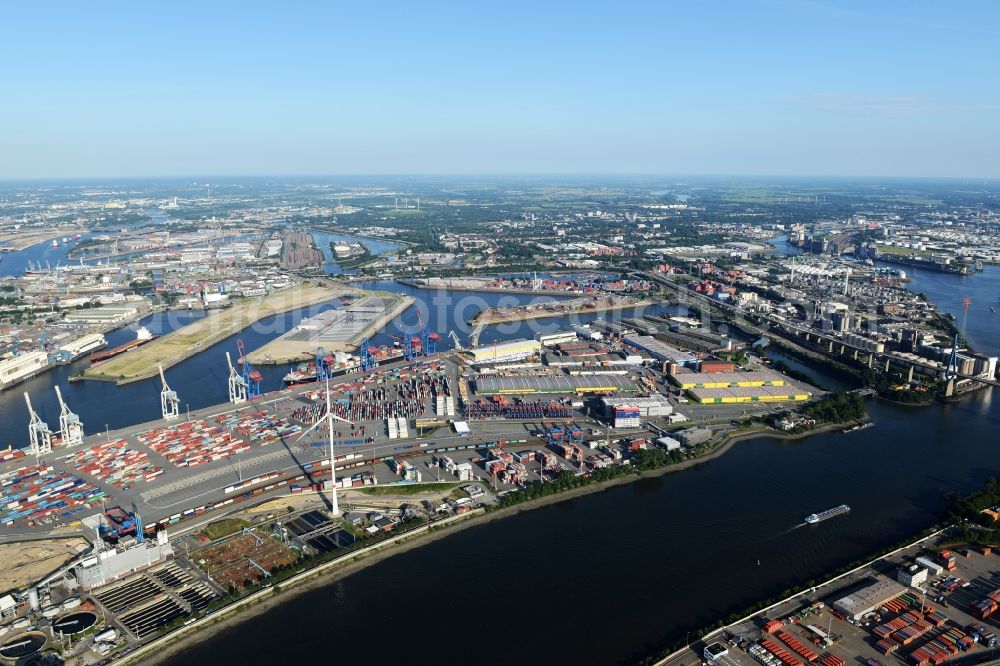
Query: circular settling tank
x: 74, y: 623
x: 22, y: 645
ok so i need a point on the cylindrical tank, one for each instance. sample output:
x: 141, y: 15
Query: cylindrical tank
x: 73, y: 602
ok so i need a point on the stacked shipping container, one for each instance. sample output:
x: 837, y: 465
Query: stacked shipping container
x: 193, y: 443
x: 115, y: 463
x: 35, y: 494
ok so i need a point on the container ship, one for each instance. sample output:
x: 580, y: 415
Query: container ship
x: 814, y: 518
x: 339, y: 363
x: 142, y: 336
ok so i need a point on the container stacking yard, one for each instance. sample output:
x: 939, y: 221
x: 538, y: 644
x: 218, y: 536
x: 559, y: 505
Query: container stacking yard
x: 38, y: 494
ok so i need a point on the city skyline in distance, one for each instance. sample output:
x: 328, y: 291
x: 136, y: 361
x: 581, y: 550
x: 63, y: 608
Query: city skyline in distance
x: 767, y: 88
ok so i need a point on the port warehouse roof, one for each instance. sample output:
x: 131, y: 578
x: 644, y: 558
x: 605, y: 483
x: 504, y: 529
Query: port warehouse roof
x: 659, y: 350
x: 555, y: 384
x: 711, y: 380
x: 500, y: 350
x: 737, y: 394
x: 867, y: 598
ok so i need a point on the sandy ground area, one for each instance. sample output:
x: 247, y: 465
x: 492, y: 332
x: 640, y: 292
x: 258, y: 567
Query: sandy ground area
x: 29, y: 561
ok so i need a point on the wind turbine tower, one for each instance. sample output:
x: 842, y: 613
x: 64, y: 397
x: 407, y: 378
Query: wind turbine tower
x: 70, y: 425
x: 39, y: 434
x: 329, y: 418
x: 237, y: 387
x: 170, y: 405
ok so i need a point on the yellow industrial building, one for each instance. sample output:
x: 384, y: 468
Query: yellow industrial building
x: 505, y: 352
x: 744, y: 394
x: 725, y: 388
x: 714, y: 380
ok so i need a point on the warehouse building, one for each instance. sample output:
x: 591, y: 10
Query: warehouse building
x: 505, y: 352
x: 598, y: 360
x: 668, y: 443
x: 659, y: 350
x: 694, y: 436
x: 865, y: 599
x: 741, y: 394
x: 625, y: 416
x: 106, y: 314
x: 559, y: 337
x: 654, y: 405
x: 581, y: 384
x: 692, y: 380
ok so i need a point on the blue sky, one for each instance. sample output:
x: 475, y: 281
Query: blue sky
x: 768, y: 87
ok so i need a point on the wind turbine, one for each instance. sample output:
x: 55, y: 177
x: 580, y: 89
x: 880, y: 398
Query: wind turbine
x: 329, y: 417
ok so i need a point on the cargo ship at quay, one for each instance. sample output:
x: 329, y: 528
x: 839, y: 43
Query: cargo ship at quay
x: 814, y: 518
x: 337, y: 364
x: 142, y: 336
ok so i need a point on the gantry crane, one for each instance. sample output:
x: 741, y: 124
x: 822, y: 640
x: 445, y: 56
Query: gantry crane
x: 237, y: 386
x: 251, y: 377
x: 368, y: 360
x: 70, y: 425
x: 322, y: 361
x: 474, y: 336
x: 170, y: 405
x: 39, y: 434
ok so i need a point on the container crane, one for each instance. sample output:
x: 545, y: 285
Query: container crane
x: 237, y: 386
x: 428, y: 338
x: 368, y: 360
x: 70, y: 425
x: 322, y: 362
x: 39, y: 434
x: 251, y: 376
x: 170, y: 405
x: 474, y: 336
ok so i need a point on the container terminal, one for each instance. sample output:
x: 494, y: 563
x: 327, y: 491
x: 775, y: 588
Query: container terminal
x: 483, y: 420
